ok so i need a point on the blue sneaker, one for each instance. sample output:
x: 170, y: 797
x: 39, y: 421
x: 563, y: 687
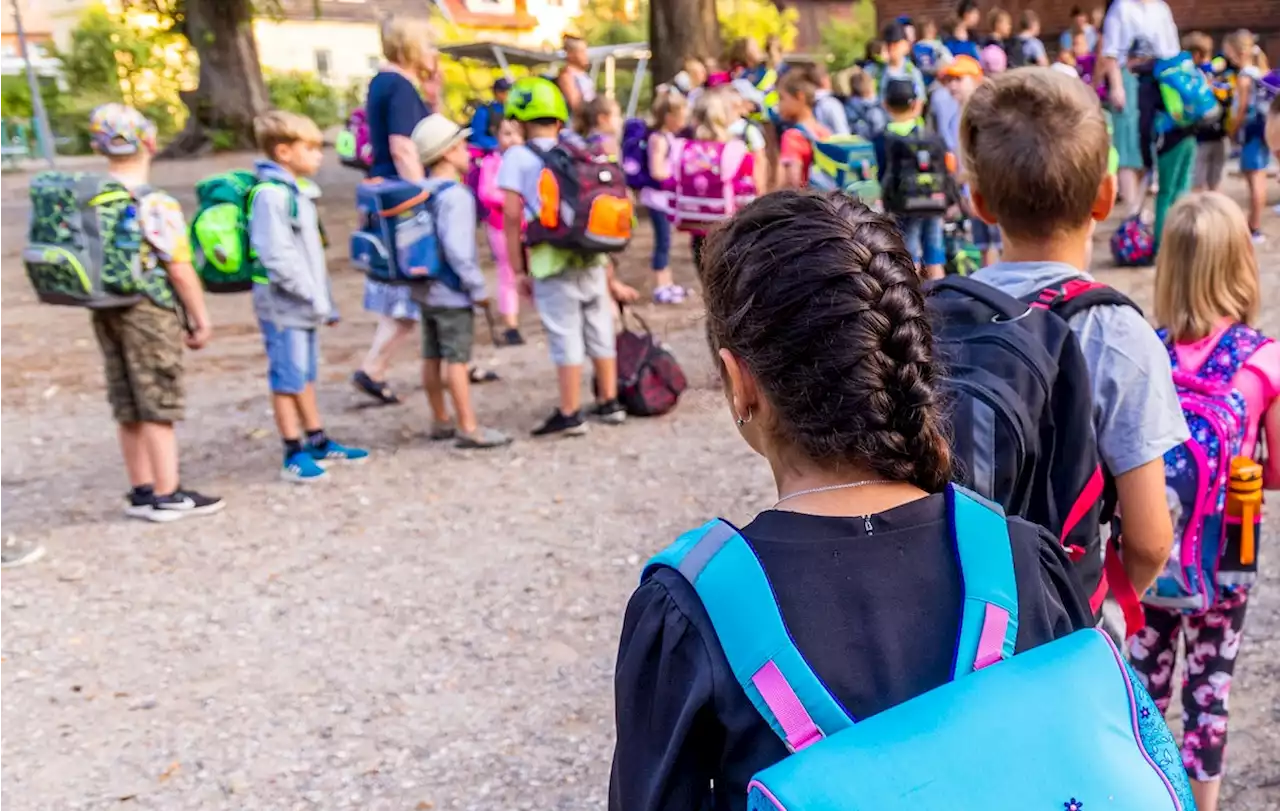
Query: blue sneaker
x: 334, y: 452
x: 301, y: 467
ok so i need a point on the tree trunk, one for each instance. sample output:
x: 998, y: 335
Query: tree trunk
x: 679, y: 29
x: 231, y: 90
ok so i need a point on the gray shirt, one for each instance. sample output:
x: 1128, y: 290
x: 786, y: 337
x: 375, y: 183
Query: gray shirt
x: 284, y: 233
x: 1136, y: 414
x: 455, y: 221
x: 829, y: 111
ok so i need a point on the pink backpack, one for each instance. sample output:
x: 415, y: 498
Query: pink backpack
x: 353, y: 145
x: 711, y: 181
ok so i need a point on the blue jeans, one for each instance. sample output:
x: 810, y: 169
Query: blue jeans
x: 292, y: 357
x: 661, y: 239
x: 923, y: 236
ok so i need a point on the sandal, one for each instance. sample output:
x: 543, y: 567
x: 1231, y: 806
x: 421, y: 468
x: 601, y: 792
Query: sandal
x: 669, y: 294
x: 479, y: 376
x: 378, y: 391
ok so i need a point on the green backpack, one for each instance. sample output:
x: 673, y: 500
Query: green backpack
x: 222, y: 256
x: 84, y: 242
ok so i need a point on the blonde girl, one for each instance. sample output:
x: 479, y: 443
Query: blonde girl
x: 670, y: 115
x: 599, y: 121
x: 1248, y: 121
x: 491, y: 197
x: 1207, y: 294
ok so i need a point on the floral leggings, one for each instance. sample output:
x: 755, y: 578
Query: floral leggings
x: 1212, y: 642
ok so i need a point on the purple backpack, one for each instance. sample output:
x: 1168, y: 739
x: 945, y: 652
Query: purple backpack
x: 635, y: 154
x: 1133, y: 244
x: 353, y: 145
x: 1197, y: 474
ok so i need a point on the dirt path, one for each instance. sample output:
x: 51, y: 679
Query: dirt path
x: 435, y: 630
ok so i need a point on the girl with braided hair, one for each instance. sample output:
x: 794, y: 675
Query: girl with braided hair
x: 817, y: 321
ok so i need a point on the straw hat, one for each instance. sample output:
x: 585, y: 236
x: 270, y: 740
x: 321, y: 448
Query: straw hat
x: 435, y: 135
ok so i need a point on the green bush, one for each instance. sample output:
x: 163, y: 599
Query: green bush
x: 306, y: 94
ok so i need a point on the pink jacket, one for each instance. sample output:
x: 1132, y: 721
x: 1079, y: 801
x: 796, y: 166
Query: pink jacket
x: 491, y: 196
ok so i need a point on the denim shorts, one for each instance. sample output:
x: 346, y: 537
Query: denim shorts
x: 292, y: 357
x: 1255, y: 156
x: 924, y: 239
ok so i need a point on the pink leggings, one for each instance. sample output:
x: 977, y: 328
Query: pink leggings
x: 508, y: 295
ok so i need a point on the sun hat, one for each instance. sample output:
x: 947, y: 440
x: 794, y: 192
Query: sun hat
x: 435, y: 135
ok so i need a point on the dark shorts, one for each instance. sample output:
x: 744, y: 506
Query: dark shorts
x: 447, y: 333
x: 142, y: 350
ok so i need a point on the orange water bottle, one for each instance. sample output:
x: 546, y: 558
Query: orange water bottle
x: 1244, y: 501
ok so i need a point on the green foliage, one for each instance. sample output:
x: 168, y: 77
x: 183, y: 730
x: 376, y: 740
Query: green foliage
x: 844, y: 42
x: 756, y: 19
x: 305, y: 93
x: 606, y: 22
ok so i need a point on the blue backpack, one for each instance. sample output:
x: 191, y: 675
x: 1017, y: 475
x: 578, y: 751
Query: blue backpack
x: 1188, y: 96
x: 1066, y: 726
x: 395, y: 240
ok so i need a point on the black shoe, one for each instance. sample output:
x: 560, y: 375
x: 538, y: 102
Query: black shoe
x: 138, y: 502
x: 610, y: 412
x: 183, y: 503
x: 558, y: 423
x: 512, y: 337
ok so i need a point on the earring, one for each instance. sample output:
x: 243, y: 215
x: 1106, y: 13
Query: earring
x: 742, y: 422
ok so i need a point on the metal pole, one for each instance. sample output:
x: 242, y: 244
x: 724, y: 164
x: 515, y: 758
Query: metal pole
x: 43, y: 132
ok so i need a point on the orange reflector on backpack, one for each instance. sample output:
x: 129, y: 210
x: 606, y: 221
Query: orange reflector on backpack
x: 548, y: 200
x: 610, y: 219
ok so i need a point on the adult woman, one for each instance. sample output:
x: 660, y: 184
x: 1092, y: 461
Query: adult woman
x: 394, y: 107
x: 815, y: 313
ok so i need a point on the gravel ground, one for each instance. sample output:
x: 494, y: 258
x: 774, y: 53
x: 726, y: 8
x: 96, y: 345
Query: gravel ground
x: 435, y: 630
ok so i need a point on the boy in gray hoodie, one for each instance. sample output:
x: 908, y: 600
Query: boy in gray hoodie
x: 448, y: 315
x: 295, y: 298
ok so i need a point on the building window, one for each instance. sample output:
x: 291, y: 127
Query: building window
x: 324, y: 62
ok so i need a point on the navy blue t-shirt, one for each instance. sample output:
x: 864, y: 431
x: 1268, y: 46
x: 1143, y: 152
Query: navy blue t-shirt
x: 394, y: 108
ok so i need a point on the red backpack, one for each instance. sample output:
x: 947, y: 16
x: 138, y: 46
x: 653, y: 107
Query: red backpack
x: 584, y: 201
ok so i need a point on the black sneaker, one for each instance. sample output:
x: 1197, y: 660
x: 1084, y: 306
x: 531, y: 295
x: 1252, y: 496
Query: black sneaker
x: 558, y: 423
x: 610, y: 412
x: 183, y: 503
x: 512, y: 337
x: 138, y: 503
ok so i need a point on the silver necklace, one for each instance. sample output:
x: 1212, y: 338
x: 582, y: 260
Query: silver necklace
x: 829, y: 488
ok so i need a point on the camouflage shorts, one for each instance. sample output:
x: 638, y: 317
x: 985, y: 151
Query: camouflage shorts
x: 142, y: 347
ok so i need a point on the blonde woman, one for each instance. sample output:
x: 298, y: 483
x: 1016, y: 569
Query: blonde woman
x: 1207, y: 294
x: 394, y: 106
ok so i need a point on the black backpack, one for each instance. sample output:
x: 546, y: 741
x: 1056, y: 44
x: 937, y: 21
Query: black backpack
x: 1022, y: 414
x: 916, y: 180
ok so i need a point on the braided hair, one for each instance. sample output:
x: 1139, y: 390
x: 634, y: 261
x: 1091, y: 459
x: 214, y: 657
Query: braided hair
x: 818, y: 297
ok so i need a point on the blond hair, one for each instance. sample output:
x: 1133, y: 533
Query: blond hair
x: 665, y: 103
x: 1207, y: 268
x: 1036, y: 145
x: 276, y: 127
x: 406, y: 41
x: 712, y: 115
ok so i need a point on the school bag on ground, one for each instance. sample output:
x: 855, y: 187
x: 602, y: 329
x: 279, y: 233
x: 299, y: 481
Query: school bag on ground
x: 710, y: 181
x: 845, y: 163
x: 1187, y: 94
x: 84, y: 241
x: 352, y: 144
x: 1208, y: 555
x: 1066, y: 726
x: 650, y: 380
x: 1022, y: 415
x: 221, y: 253
x: 583, y: 199
x: 917, y: 180
x: 1134, y: 243
x: 635, y: 154
x: 395, y: 240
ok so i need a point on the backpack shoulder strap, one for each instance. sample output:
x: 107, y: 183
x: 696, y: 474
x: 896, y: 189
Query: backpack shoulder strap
x: 724, y: 571
x: 1069, y: 299
x: 1009, y: 308
x: 989, y: 623
x: 293, y: 196
x: 1241, y: 341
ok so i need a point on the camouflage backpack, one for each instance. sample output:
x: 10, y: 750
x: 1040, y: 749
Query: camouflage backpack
x: 85, y: 245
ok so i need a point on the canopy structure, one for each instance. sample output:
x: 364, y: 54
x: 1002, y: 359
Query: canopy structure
x: 633, y: 55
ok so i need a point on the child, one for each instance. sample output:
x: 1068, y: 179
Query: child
x: 1206, y: 285
x: 571, y: 290
x: 923, y: 234
x: 1249, y: 122
x: 1028, y: 48
x: 1211, y: 144
x: 961, y: 42
x: 929, y: 54
x: 867, y: 118
x: 898, y: 65
x: 448, y: 314
x: 1000, y: 24
x: 1044, y: 180
x: 961, y: 78
x: 142, y: 345
x: 795, y: 106
x: 874, y: 58
x: 600, y: 123
x: 295, y: 300
x: 491, y: 198
x: 817, y: 324
x: 748, y: 102
x: 714, y: 172
x: 670, y: 116
x: 691, y: 81
x: 827, y: 109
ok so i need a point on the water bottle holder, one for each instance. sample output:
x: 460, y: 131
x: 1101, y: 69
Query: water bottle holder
x: 1233, y: 570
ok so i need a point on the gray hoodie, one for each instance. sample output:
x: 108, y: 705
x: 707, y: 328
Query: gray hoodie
x: 455, y: 210
x: 289, y: 248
